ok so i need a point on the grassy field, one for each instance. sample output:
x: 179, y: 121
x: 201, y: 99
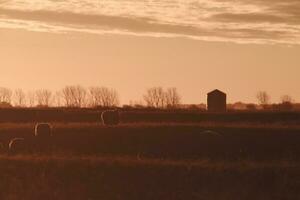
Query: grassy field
x: 93, y: 177
x: 169, y: 140
x: 154, y: 161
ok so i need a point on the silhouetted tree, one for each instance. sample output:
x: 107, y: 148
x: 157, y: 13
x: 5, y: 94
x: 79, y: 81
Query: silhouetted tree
x: 286, y: 103
x: 136, y: 104
x: 31, y: 98
x: 263, y: 98
x: 57, y: 99
x: 43, y: 97
x: 251, y: 106
x: 20, y: 98
x: 102, y: 96
x: 74, y: 96
x: 5, y: 95
x: 155, y: 97
x: 159, y: 98
x: 172, y: 97
x: 286, y: 99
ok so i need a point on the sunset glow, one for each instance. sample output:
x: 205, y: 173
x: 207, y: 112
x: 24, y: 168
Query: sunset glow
x: 239, y: 46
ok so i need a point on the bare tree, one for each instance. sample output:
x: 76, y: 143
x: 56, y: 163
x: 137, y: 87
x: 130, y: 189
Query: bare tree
x: 155, y: 97
x: 286, y: 103
x: 57, y: 98
x: 5, y: 95
x: 31, y: 98
x: 263, y: 98
x: 102, y: 96
x: 95, y: 96
x: 286, y: 99
x: 67, y: 95
x: 43, y: 97
x: 20, y: 98
x: 172, y: 97
x: 74, y: 96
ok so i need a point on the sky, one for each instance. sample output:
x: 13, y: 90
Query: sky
x: 238, y: 46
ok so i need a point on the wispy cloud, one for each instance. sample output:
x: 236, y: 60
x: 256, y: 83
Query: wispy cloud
x: 241, y: 21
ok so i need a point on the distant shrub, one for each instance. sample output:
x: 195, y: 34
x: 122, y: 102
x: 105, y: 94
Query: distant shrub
x: 5, y: 105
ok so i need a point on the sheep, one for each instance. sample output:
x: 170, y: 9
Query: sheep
x: 110, y: 117
x: 43, y: 130
x: 17, y: 145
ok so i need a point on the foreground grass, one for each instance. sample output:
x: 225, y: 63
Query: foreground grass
x: 111, y: 177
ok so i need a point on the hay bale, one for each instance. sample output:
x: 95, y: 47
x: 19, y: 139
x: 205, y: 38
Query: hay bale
x: 17, y: 145
x: 110, y: 117
x: 43, y: 130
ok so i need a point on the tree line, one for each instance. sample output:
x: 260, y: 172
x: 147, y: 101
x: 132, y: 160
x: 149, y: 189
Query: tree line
x: 78, y: 96
x: 69, y: 96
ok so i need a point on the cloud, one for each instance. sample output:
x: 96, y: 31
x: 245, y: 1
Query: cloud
x: 248, y: 17
x: 242, y: 21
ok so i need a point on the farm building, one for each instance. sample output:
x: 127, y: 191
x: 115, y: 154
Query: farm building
x: 216, y: 101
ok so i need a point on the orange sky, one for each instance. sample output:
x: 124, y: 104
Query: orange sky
x: 131, y: 64
x: 238, y: 46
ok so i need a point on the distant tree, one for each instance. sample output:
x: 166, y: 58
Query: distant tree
x: 5, y: 105
x: 5, y: 95
x: 103, y: 96
x: 57, y: 99
x: 136, y: 104
x: 95, y: 96
x: 251, y: 107
x: 239, y: 106
x: 192, y: 107
x: 286, y: 103
x: 155, y: 97
x: 263, y: 98
x: 74, y: 96
x: 172, y: 97
x: 20, y: 98
x: 286, y: 99
x: 31, y: 98
x: 43, y: 97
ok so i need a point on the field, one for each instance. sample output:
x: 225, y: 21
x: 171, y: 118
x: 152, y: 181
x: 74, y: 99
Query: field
x: 155, y: 160
x: 93, y: 177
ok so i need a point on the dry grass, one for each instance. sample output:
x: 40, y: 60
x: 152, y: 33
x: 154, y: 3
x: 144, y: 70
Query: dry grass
x: 169, y: 161
x: 93, y: 177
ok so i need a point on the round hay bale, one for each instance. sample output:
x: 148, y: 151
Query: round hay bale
x: 17, y: 145
x: 43, y: 130
x: 110, y: 117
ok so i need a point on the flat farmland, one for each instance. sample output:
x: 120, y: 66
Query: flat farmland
x: 154, y: 161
